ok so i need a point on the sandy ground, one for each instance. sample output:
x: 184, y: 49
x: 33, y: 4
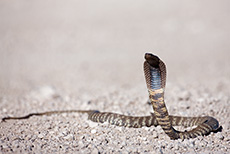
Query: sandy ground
x: 57, y: 55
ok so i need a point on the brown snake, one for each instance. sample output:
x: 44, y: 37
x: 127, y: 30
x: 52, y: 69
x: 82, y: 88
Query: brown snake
x: 155, y: 75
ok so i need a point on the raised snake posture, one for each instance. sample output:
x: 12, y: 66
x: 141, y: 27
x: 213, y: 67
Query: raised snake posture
x: 155, y: 75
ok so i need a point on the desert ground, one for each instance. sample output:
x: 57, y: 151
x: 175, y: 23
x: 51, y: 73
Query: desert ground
x: 62, y: 55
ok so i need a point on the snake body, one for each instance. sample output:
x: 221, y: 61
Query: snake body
x: 155, y: 75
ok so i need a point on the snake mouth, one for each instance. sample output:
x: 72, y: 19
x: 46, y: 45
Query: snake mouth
x: 152, y: 60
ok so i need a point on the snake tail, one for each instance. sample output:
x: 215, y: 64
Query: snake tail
x: 123, y: 120
x: 97, y: 116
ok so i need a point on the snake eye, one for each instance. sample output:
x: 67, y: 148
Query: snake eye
x: 152, y: 60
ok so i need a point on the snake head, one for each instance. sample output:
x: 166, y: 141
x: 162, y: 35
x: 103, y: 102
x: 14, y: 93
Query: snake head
x: 155, y: 72
x: 152, y: 60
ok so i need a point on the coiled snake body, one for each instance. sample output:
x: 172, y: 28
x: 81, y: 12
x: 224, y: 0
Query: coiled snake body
x: 155, y: 75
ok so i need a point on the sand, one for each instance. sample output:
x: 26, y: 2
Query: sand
x: 57, y: 55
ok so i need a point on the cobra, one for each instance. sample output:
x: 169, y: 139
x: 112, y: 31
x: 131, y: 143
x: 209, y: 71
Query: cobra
x: 155, y: 75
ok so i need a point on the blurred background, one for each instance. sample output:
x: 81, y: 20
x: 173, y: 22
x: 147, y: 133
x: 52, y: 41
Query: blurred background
x: 73, y: 44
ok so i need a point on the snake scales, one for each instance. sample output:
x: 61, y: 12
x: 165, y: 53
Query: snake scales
x: 155, y: 75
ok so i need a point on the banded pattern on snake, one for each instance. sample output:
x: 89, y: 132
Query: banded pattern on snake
x: 155, y: 75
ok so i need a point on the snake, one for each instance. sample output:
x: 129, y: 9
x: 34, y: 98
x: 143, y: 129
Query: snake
x: 155, y: 76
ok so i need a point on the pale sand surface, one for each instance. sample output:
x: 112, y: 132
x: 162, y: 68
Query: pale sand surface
x: 57, y: 55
